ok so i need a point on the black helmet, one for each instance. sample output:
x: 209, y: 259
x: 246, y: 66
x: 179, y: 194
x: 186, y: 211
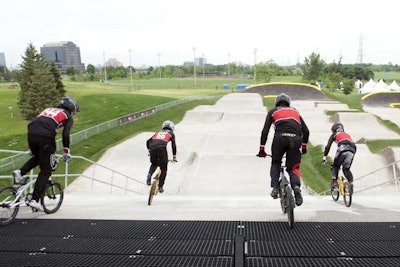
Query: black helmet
x: 337, y: 127
x: 168, y: 125
x: 69, y: 103
x: 282, y: 98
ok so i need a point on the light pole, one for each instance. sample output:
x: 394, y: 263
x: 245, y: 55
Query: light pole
x: 203, y: 64
x: 130, y: 68
x: 104, y: 67
x: 194, y: 66
x: 255, y: 63
x: 229, y: 67
x: 159, y: 65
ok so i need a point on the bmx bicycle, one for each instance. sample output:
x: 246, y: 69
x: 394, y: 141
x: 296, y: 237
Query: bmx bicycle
x: 17, y: 195
x: 344, y: 189
x: 286, y: 196
x: 154, y: 185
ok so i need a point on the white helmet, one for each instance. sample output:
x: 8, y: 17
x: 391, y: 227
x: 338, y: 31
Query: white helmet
x: 168, y: 125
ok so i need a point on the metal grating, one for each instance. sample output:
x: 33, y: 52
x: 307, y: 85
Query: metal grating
x: 319, y: 262
x: 70, y: 260
x: 42, y: 242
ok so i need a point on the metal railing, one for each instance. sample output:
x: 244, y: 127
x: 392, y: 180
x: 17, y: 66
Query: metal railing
x: 117, y: 180
x: 114, y: 181
x: 381, y: 180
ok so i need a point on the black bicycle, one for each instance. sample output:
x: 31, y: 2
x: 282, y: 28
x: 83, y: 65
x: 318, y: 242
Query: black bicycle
x: 286, y: 196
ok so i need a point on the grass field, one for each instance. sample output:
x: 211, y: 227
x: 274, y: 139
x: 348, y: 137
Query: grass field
x: 387, y: 76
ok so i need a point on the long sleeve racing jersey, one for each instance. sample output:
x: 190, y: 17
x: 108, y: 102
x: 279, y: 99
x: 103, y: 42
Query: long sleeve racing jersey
x: 49, y: 121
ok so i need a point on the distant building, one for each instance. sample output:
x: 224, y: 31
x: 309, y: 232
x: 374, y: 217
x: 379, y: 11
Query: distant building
x: 199, y: 61
x: 63, y: 54
x: 113, y: 62
x: 2, y: 62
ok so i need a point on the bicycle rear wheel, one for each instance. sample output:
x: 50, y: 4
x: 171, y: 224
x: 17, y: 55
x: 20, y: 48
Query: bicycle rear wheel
x: 153, y: 191
x: 53, y: 197
x: 8, y: 212
x: 289, y: 206
x: 348, y: 194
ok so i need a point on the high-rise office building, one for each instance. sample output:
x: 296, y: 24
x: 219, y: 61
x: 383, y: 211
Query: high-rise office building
x: 2, y: 62
x: 63, y: 54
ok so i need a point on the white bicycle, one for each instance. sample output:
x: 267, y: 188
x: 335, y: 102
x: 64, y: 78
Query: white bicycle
x: 12, y: 197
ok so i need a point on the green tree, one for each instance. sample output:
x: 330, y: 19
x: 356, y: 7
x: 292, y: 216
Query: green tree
x: 90, y: 69
x: 37, y: 83
x: 264, y: 71
x: 312, y: 67
x: 57, y: 78
x: 348, y: 86
x: 70, y: 71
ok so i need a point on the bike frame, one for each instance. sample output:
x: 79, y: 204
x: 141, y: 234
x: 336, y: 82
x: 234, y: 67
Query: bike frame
x: 341, y: 181
x: 22, y: 192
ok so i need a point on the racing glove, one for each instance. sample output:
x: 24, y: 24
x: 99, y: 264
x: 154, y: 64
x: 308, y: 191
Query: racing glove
x: 303, y: 148
x: 262, y: 153
x: 324, y: 160
x: 67, y: 154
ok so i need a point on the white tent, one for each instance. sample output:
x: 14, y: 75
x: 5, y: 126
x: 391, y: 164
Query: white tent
x: 381, y: 86
x: 368, y: 87
x: 358, y: 84
x: 394, y: 86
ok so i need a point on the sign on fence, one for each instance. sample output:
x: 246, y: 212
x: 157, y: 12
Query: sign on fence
x: 135, y: 116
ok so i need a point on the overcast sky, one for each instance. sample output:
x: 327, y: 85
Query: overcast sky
x: 167, y: 31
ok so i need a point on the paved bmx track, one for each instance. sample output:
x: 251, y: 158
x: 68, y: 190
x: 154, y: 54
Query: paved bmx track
x: 218, y: 177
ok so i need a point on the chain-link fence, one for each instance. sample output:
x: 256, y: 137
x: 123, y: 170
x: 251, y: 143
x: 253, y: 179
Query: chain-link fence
x: 10, y: 163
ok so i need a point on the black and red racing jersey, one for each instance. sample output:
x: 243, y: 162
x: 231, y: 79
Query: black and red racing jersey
x: 286, y: 120
x: 161, y: 139
x: 49, y: 121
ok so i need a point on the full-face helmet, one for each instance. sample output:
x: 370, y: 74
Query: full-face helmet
x: 168, y: 125
x: 337, y: 127
x: 69, y: 103
x: 282, y: 98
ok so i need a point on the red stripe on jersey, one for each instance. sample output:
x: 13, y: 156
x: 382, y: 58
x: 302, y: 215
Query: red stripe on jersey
x: 166, y: 136
x: 286, y: 114
x: 341, y: 136
x: 56, y: 114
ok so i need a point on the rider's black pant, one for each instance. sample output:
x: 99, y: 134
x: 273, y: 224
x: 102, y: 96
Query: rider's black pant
x: 43, y: 149
x: 290, y: 145
x: 159, y: 157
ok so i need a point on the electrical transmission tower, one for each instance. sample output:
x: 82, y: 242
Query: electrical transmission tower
x: 360, y: 50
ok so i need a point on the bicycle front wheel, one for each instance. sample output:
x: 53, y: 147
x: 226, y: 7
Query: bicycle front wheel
x: 348, y: 194
x: 335, y: 193
x: 153, y: 191
x: 289, y: 206
x: 8, y: 211
x: 53, y: 197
